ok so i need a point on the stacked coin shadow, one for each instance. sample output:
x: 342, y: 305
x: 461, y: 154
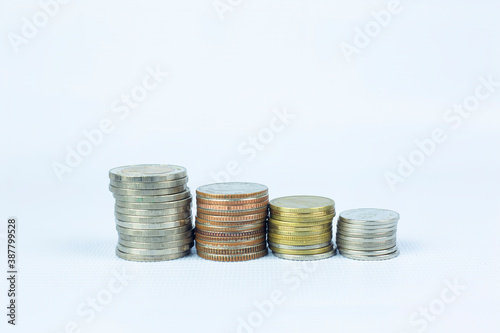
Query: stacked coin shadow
x: 231, y: 221
x: 368, y: 234
x: 300, y: 227
x: 152, y: 211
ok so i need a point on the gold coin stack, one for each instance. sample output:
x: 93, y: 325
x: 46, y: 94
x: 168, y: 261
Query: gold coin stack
x: 300, y: 227
x: 231, y: 221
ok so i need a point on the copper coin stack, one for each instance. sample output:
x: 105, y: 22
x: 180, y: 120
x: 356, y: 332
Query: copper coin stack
x: 231, y: 221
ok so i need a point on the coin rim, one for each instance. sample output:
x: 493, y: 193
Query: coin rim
x: 115, y: 176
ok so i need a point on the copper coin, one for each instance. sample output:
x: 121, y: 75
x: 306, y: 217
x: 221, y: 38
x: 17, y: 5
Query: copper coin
x: 233, y: 202
x: 233, y: 257
x: 228, y: 250
x: 231, y: 228
x: 239, y: 218
x: 253, y: 206
x: 229, y: 239
x: 233, y: 190
x: 201, y: 210
x: 230, y: 224
x: 231, y: 234
x: 231, y: 244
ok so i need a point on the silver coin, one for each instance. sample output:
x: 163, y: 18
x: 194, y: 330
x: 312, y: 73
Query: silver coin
x: 147, y: 173
x: 370, y: 258
x: 152, y: 219
x: 365, y: 247
x: 364, y: 226
x: 365, y: 240
x: 154, y: 198
x: 352, y: 240
x: 174, y: 236
x: 152, y: 232
x: 143, y: 258
x: 154, y: 225
x: 341, y: 242
x: 306, y: 257
x: 232, y: 189
x: 346, y: 234
x: 367, y: 215
x: 367, y: 226
x: 149, y: 186
x: 344, y: 229
x: 139, y: 193
x: 370, y: 253
x: 157, y: 245
x: 349, y: 228
x: 147, y: 252
x: 299, y: 247
x: 152, y: 212
x: 155, y: 205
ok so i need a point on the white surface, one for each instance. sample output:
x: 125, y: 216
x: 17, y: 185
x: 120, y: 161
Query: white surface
x: 352, y: 121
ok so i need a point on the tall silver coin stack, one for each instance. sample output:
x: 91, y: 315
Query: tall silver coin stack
x: 368, y: 234
x: 152, y: 211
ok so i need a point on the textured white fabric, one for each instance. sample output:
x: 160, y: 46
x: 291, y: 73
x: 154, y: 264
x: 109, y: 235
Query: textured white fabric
x: 229, y: 81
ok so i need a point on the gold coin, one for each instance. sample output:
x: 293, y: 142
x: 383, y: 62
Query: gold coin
x: 304, y: 219
x: 298, y: 222
x: 302, y: 252
x: 321, y: 227
x: 303, y: 215
x: 299, y: 233
x: 299, y: 237
x: 302, y: 204
x: 301, y: 242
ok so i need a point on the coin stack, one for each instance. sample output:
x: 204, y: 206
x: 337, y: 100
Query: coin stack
x: 153, y: 212
x: 300, y: 227
x: 368, y: 234
x: 231, y: 221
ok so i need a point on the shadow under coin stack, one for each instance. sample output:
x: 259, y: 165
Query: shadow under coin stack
x: 153, y: 212
x: 368, y: 234
x: 300, y: 227
x: 231, y: 221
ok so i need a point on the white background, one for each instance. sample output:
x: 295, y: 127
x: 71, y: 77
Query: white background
x: 352, y: 121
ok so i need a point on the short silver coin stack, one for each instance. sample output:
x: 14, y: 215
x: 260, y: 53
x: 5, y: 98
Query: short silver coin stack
x: 368, y: 234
